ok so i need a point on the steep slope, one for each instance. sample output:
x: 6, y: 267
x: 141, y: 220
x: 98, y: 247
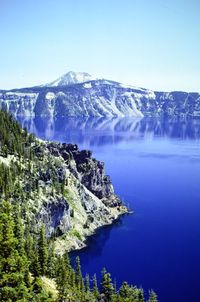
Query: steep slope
x: 73, y: 95
x: 55, y: 184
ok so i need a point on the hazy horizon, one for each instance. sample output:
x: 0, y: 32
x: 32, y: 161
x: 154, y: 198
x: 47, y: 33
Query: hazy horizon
x: 149, y: 44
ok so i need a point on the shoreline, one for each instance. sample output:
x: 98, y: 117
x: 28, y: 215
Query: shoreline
x: 73, y: 244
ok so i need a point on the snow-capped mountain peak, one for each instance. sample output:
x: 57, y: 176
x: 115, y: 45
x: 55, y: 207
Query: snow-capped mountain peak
x: 72, y: 78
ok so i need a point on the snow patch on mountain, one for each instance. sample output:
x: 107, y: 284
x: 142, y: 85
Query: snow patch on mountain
x: 87, y: 85
x: 71, y: 78
x: 50, y: 96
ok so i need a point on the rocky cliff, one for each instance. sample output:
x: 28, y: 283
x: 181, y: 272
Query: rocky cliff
x: 63, y: 187
x: 70, y: 96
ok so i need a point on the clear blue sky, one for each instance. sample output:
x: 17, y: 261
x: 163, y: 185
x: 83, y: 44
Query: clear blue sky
x: 148, y: 43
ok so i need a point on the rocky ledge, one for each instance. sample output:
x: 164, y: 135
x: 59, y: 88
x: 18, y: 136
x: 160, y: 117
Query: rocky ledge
x: 68, y: 191
x: 89, y: 201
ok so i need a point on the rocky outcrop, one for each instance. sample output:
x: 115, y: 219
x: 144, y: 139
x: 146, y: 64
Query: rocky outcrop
x: 89, y: 171
x: 98, y: 98
x: 65, y: 189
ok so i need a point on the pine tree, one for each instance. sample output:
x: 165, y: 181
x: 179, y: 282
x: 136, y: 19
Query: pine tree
x: 35, y: 266
x: 12, y: 265
x: 67, y: 262
x: 18, y: 231
x: 79, y: 277
x: 87, y: 283
x: 42, y: 251
x: 124, y: 290
x: 51, y: 263
x: 95, y: 289
x: 72, y: 281
x: 152, y: 296
x: 61, y: 279
x: 140, y: 295
x: 29, y: 247
x: 27, y: 278
x: 106, y: 285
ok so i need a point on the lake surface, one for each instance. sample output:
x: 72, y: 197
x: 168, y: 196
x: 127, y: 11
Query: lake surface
x: 155, y: 168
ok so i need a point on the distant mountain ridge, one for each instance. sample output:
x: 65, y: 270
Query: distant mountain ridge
x: 80, y: 94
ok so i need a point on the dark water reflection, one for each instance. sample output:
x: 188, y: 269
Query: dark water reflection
x: 96, y: 243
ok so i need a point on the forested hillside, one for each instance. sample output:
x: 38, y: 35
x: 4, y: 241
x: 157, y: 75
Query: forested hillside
x: 45, y: 193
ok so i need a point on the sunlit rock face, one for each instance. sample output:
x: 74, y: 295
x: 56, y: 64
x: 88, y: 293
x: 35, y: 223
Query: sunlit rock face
x: 88, y: 200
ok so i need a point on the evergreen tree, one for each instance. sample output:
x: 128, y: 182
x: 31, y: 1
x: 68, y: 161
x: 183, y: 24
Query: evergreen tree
x: 95, y: 289
x: 29, y: 247
x: 124, y: 290
x: 61, y: 279
x: 140, y: 295
x: 87, y: 283
x: 51, y: 263
x: 79, y: 277
x: 12, y: 265
x: 42, y: 251
x: 27, y: 278
x: 152, y: 296
x: 106, y: 286
x: 72, y: 279
x: 19, y: 231
x: 35, y: 265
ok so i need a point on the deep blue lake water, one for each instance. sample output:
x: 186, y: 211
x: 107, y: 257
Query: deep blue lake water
x: 155, y: 168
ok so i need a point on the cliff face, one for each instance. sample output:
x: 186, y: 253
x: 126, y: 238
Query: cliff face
x: 88, y: 170
x: 88, y: 200
x: 98, y: 98
x: 67, y: 190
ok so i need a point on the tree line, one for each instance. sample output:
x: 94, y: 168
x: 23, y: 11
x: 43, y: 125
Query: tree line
x: 25, y: 258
